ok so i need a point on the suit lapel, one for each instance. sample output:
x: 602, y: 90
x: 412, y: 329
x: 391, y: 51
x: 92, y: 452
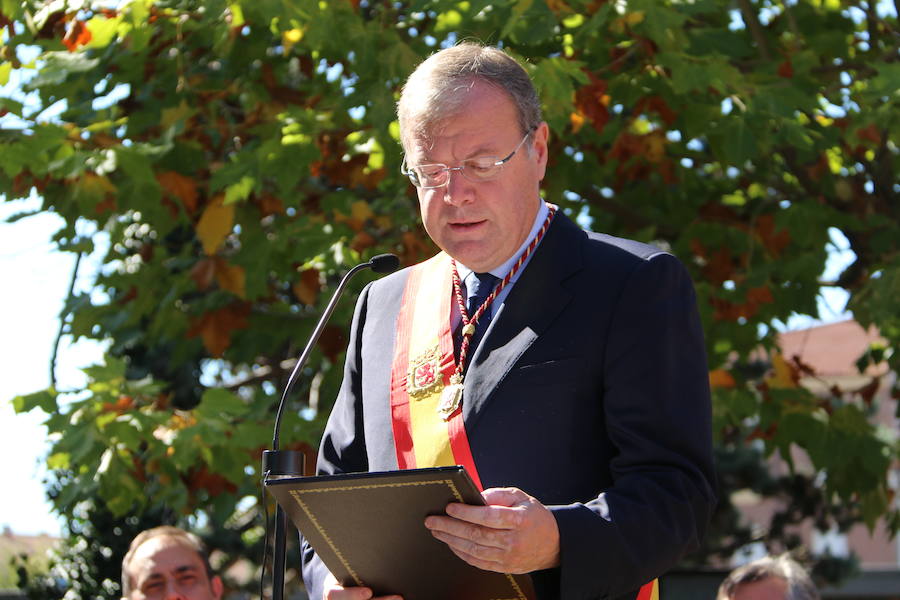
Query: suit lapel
x: 533, y: 303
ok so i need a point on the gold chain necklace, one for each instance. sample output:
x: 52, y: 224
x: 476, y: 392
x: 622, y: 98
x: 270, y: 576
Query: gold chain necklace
x: 451, y: 395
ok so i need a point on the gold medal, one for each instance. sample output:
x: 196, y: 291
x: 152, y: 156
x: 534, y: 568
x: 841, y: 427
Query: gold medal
x: 451, y: 397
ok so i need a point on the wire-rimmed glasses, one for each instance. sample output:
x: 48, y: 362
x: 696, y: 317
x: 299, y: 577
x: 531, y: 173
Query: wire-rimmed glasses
x: 477, y: 169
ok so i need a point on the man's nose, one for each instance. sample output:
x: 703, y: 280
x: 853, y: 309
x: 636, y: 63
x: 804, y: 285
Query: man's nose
x: 172, y: 591
x: 458, y: 190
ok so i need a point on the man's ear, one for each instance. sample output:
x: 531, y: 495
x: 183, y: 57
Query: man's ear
x: 217, y: 587
x: 539, y: 150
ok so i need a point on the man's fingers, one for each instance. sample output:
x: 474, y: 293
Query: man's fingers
x: 481, y: 563
x: 334, y: 591
x: 467, y: 531
x: 485, y: 545
x: 504, y: 496
x: 514, y: 534
x: 496, y: 517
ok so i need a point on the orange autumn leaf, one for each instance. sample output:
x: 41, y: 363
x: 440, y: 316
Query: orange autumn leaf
x: 362, y: 241
x: 91, y: 184
x: 774, y: 241
x: 576, y: 120
x: 215, y: 224
x: 869, y: 133
x: 725, y: 310
x: 591, y: 101
x: 268, y: 204
x: 655, y: 144
x: 786, y: 69
x: 415, y: 248
x: 361, y: 210
x: 181, y: 187
x: 77, y: 35
x: 720, y: 378
x: 203, y: 273
x: 720, y: 266
x: 231, y: 278
x: 760, y: 295
x: 307, y: 288
x: 215, y: 327
x: 559, y: 7
x: 784, y: 375
x: 658, y: 105
x: 626, y: 21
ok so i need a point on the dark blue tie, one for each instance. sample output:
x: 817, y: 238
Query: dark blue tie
x: 478, y: 287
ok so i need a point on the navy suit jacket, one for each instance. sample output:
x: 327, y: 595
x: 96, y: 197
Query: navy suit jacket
x: 589, y: 391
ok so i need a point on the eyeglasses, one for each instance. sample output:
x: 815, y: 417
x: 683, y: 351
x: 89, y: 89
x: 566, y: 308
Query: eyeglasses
x: 478, y: 169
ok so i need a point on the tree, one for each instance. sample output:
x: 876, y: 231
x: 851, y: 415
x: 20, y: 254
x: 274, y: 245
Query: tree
x: 239, y: 156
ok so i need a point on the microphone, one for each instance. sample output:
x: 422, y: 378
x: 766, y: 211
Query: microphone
x: 281, y: 463
x: 382, y: 264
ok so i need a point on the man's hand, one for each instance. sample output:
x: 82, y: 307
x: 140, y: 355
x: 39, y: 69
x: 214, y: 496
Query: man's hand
x: 513, y: 534
x: 334, y: 591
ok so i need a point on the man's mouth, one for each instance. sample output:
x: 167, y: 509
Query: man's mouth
x: 463, y: 225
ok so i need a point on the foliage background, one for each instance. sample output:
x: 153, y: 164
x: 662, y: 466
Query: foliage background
x: 239, y: 156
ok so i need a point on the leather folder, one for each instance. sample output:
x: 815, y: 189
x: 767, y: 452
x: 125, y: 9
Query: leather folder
x: 368, y: 529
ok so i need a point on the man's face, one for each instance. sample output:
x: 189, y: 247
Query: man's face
x: 164, y: 569
x: 482, y: 224
x: 770, y: 588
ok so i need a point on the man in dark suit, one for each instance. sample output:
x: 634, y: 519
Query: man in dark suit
x: 575, y: 393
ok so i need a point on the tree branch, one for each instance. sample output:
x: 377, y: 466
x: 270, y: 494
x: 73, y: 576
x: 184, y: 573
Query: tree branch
x: 62, y: 319
x: 755, y: 27
x: 264, y: 373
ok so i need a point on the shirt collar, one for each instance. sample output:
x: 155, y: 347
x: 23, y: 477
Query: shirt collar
x: 501, y: 271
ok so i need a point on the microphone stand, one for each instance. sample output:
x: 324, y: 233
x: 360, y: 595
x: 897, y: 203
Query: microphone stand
x: 278, y: 463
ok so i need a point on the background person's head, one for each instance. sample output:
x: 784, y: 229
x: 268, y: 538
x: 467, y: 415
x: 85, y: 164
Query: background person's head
x: 168, y: 563
x: 768, y: 578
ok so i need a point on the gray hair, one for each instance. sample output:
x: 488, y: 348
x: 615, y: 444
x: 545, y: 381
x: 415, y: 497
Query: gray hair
x: 436, y: 89
x: 180, y: 536
x: 799, y: 584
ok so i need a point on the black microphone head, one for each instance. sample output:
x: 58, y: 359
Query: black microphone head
x: 385, y: 263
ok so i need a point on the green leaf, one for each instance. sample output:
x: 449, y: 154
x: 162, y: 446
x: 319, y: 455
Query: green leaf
x: 219, y: 403
x: 112, y: 370
x: 239, y: 191
x: 58, y: 67
x: 664, y: 25
x: 44, y: 399
x: 734, y: 142
x: 874, y: 505
x: 122, y: 432
x: 518, y: 10
x: 103, y: 30
x: 58, y: 460
x: 555, y: 79
x: 448, y: 21
x: 887, y: 82
x: 5, y: 70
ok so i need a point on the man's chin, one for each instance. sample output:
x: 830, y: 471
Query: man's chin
x: 472, y: 255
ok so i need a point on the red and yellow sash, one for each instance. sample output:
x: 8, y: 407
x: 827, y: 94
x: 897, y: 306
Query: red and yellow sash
x: 650, y: 591
x: 423, y: 364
